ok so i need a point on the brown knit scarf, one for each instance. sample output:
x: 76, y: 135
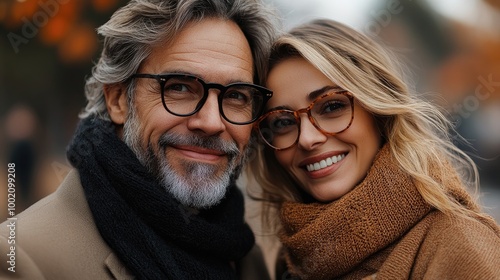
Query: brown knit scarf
x: 325, y: 241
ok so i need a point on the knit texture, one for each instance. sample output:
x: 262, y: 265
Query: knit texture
x: 154, y: 235
x: 384, y: 229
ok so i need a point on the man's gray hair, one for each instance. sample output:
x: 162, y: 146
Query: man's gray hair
x: 133, y: 30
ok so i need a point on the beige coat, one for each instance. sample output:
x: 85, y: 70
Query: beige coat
x: 57, y: 238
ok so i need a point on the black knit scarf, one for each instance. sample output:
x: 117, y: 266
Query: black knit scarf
x: 153, y: 234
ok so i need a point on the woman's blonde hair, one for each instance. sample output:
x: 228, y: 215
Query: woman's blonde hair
x: 418, y: 133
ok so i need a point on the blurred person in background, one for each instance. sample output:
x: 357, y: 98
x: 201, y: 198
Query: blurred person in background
x: 158, y: 149
x: 362, y: 175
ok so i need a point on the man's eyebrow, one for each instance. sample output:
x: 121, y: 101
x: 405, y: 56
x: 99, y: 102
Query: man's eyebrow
x: 184, y: 72
x: 317, y: 93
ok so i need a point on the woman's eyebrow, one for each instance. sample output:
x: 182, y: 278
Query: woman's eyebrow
x: 317, y: 93
x: 311, y: 97
x: 281, y: 107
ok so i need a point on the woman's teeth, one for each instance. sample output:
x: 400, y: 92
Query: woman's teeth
x: 324, y: 163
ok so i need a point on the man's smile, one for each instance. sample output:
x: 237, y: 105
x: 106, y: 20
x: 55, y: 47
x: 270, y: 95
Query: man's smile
x: 200, y: 154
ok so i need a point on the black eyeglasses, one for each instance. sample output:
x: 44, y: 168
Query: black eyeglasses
x: 330, y: 113
x: 183, y: 95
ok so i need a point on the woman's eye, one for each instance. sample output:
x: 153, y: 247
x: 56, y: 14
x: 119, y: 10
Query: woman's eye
x: 332, y: 107
x: 283, y: 124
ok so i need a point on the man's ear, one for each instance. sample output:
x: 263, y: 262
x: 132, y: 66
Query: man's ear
x: 116, y: 102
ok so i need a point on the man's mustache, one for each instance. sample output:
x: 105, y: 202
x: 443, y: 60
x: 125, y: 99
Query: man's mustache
x: 212, y: 143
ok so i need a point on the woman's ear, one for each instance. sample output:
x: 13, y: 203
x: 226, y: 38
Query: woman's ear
x: 116, y: 102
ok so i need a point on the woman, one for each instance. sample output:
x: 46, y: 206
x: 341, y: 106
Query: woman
x: 364, y: 175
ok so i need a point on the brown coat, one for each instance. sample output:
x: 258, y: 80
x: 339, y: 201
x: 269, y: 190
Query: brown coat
x: 434, y: 249
x: 57, y: 238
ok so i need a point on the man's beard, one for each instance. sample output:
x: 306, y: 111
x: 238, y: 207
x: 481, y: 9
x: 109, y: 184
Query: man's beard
x: 202, y: 185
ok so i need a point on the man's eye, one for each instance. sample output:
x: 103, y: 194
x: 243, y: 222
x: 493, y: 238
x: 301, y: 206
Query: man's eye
x: 236, y: 95
x: 177, y: 88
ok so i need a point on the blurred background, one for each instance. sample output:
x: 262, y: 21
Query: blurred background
x: 48, y: 47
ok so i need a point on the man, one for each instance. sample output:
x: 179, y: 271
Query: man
x: 160, y: 144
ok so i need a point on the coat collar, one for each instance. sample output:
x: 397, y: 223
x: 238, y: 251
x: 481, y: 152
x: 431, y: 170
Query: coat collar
x: 71, y: 191
x: 116, y: 268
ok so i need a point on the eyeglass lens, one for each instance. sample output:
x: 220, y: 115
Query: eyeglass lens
x: 331, y: 114
x: 182, y: 95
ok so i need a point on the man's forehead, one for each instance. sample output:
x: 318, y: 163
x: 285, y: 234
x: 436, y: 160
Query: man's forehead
x: 207, y: 49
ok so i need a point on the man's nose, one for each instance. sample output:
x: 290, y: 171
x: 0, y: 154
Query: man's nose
x: 208, y: 118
